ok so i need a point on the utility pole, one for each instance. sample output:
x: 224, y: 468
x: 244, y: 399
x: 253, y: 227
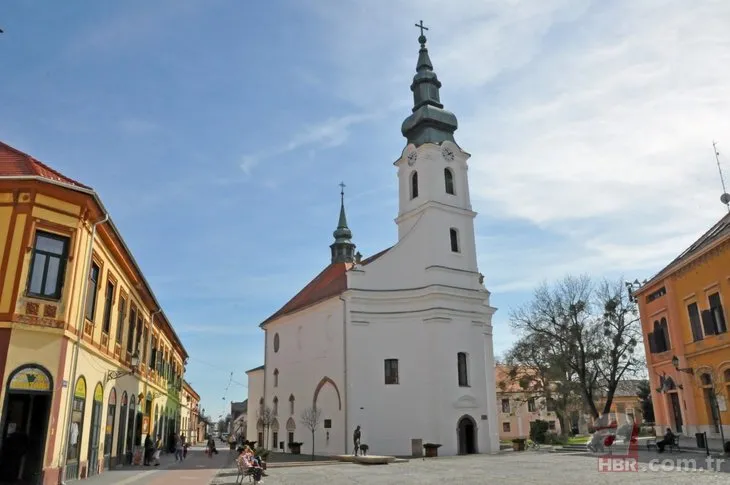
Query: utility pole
x: 725, y: 197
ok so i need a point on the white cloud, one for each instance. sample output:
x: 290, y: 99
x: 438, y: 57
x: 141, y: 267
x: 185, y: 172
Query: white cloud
x: 591, y: 121
x: 330, y: 133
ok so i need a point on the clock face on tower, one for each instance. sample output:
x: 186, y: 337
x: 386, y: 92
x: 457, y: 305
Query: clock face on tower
x: 448, y: 154
x: 412, y: 157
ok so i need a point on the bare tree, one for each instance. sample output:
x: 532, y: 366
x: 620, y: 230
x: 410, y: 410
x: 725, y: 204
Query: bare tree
x: 265, y: 418
x: 593, y: 333
x: 311, y: 418
x: 542, y: 375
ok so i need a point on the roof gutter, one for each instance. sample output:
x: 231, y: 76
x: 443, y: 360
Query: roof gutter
x: 93, y: 194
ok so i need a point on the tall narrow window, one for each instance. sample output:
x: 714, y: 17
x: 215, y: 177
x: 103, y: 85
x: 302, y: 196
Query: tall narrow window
x: 130, y: 331
x: 505, y: 405
x: 120, y: 320
x: 48, y: 265
x: 92, y: 291
x: 661, y: 336
x: 462, y: 369
x: 391, y: 371
x: 454, y: 236
x: 695, y: 321
x: 153, y: 353
x: 276, y: 406
x: 449, y: 181
x: 718, y: 315
x: 108, y: 301
x: 291, y: 404
x: 414, y: 184
x: 276, y: 377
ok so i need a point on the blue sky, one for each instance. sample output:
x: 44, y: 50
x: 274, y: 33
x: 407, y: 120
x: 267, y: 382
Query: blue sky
x: 216, y: 133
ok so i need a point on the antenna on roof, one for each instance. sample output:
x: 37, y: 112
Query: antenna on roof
x: 725, y: 197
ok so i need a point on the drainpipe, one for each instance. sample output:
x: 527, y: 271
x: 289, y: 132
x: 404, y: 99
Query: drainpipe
x: 344, y: 358
x: 77, y: 345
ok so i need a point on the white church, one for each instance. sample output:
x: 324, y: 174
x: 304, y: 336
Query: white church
x: 399, y: 343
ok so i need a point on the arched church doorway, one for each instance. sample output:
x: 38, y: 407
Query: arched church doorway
x: 466, y: 431
x: 25, y: 414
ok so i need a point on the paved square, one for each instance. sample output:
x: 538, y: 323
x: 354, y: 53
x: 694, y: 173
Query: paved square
x: 503, y: 469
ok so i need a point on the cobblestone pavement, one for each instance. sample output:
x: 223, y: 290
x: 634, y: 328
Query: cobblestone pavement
x: 503, y: 469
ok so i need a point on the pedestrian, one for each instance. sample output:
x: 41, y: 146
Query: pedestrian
x: 356, y: 439
x: 149, y: 449
x: 158, y: 451
x: 178, y: 448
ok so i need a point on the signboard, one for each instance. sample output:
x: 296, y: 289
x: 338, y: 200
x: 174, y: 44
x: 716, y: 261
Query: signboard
x: 98, y: 393
x: 30, y: 379
x: 80, y: 391
x: 721, y: 403
x: 145, y: 425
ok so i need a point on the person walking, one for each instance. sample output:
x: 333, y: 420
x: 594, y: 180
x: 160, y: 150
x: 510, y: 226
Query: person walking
x: 149, y: 449
x: 178, y: 448
x: 356, y: 439
x: 158, y: 451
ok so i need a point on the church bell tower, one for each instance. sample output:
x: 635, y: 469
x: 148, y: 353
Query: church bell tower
x: 343, y: 249
x: 432, y: 172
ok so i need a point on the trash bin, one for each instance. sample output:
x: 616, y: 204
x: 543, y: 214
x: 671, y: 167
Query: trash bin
x: 700, y: 440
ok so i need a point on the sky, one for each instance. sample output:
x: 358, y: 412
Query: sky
x: 217, y: 131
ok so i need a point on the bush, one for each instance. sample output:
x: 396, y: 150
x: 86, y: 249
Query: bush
x: 555, y: 439
x: 538, y: 430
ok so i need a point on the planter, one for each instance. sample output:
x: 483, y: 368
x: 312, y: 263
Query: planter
x: 431, y: 450
x: 519, y: 444
x: 295, y: 448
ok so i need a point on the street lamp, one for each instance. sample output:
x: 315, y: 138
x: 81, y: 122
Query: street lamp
x: 116, y: 374
x: 632, y: 287
x: 686, y: 370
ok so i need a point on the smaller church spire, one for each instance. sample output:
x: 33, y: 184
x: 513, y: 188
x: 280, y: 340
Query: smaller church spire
x: 429, y: 122
x: 343, y: 250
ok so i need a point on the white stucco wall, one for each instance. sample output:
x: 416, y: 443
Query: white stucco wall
x: 255, y: 393
x: 310, y: 353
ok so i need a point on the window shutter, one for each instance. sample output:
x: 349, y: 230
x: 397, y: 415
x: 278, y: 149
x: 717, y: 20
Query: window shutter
x: 708, y: 323
x: 652, y: 343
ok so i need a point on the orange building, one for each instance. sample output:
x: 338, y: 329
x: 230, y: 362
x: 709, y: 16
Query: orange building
x: 687, y: 345
x: 89, y: 363
x: 518, y: 407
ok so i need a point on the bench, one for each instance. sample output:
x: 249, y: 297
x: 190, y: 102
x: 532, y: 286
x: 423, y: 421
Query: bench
x: 673, y: 446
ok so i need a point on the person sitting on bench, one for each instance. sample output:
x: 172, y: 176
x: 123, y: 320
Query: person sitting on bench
x: 668, y: 440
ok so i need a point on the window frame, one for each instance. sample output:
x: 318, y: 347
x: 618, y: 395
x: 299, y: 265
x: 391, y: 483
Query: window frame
x: 462, y: 368
x: 391, y: 378
x: 121, y: 315
x: 506, y: 427
x: 454, y: 240
x: 695, y: 325
x: 92, y: 291
x: 413, y: 184
x: 106, y: 324
x: 449, y: 181
x: 502, y: 405
x: 717, y: 311
x: 62, y: 264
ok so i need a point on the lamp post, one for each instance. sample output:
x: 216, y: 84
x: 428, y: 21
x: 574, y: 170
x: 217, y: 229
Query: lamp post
x: 116, y: 374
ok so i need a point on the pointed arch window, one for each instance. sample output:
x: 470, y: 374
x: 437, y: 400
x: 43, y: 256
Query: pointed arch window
x: 449, y: 181
x: 276, y: 406
x: 291, y: 404
x: 454, y: 237
x: 414, y: 184
x: 276, y: 377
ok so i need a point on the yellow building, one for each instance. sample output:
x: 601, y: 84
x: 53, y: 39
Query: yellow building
x: 687, y: 344
x: 89, y: 364
x: 189, y: 412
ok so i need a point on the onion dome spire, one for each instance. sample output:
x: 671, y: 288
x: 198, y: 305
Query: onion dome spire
x: 429, y: 122
x: 343, y: 250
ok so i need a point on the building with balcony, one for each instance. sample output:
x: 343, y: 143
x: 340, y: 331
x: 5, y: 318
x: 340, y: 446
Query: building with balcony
x: 189, y: 413
x: 89, y: 363
x: 684, y: 323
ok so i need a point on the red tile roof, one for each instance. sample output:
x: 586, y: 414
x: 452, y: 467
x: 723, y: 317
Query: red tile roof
x: 14, y: 163
x: 332, y: 281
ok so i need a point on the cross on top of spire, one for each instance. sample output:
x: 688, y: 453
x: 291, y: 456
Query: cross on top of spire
x: 422, y: 37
